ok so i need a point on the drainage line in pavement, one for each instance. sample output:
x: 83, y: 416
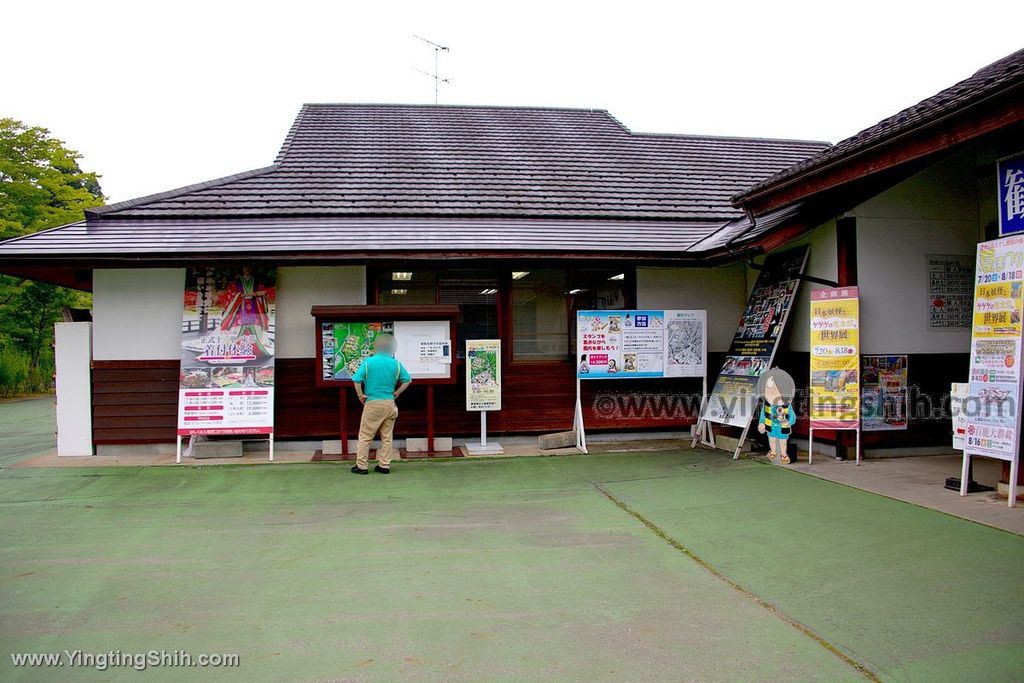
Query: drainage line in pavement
x: 806, y: 630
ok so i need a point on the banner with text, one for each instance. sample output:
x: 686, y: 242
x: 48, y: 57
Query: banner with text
x: 835, y: 358
x: 993, y: 422
x: 483, y: 374
x: 734, y: 397
x: 226, y: 382
x: 641, y: 343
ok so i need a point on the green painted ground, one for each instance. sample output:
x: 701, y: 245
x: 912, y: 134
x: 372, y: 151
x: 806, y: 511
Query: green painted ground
x: 517, y: 570
x: 27, y: 428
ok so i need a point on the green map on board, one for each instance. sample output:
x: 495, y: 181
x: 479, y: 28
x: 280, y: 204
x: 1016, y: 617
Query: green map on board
x: 352, y: 343
x: 483, y: 367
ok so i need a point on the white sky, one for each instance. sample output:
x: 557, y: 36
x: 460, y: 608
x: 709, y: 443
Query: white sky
x: 159, y: 95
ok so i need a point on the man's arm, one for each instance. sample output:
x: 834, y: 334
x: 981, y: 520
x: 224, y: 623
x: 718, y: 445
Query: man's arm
x: 359, y: 391
x: 402, y: 387
x: 357, y: 381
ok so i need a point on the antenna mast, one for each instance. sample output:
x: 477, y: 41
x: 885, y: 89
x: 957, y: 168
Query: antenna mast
x: 438, y: 49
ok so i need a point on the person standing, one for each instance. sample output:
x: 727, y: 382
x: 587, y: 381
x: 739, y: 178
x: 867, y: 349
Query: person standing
x: 380, y: 379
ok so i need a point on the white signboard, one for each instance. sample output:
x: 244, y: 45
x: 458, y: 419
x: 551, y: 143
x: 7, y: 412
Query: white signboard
x: 424, y: 347
x: 958, y: 395
x: 640, y: 343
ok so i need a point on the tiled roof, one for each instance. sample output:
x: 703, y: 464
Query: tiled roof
x: 994, y: 79
x: 465, y: 161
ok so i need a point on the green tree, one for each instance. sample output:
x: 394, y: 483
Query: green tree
x: 41, y: 186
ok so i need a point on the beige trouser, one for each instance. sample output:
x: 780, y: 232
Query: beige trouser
x: 379, y: 416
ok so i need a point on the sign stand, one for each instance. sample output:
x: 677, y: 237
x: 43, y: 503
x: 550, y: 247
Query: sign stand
x: 177, y: 449
x: 810, y: 443
x: 577, y: 422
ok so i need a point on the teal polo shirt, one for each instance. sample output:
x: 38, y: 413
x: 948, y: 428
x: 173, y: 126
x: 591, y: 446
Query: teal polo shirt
x: 380, y: 374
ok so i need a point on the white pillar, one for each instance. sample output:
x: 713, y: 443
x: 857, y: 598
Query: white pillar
x: 73, y: 356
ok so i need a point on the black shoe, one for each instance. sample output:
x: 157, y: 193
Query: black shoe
x: 356, y: 470
x: 382, y: 470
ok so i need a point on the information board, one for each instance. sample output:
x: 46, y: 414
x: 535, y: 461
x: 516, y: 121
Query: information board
x: 226, y: 382
x: 835, y: 358
x: 423, y: 346
x: 640, y: 343
x: 993, y: 422
x: 950, y: 290
x: 734, y: 397
x: 483, y: 374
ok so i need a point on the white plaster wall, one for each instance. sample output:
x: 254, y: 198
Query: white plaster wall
x: 934, y: 212
x: 300, y: 288
x: 821, y: 262
x: 137, y: 313
x: 720, y: 291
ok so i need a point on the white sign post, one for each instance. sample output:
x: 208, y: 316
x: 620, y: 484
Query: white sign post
x: 636, y: 344
x: 483, y: 388
x: 995, y: 381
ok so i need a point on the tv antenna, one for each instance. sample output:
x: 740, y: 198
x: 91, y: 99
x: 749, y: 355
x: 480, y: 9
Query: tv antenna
x: 438, y: 49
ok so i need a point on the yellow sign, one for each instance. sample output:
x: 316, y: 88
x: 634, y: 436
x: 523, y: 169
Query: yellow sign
x: 835, y: 358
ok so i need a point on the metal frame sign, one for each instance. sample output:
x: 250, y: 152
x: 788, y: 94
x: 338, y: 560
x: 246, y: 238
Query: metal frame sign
x: 226, y: 383
x: 835, y: 358
x: 641, y: 343
x: 483, y: 374
x: 734, y: 398
x: 993, y: 406
x: 1010, y: 174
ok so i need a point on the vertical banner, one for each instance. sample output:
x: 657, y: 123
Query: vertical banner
x: 993, y: 422
x: 835, y: 358
x: 734, y: 398
x: 885, y: 401
x: 226, y: 383
x: 1010, y: 174
x: 483, y: 374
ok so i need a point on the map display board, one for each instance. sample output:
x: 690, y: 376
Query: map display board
x: 423, y: 346
x: 226, y: 382
x: 885, y: 401
x: 734, y: 398
x: 993, y: 422
x: 950, y: 290
x: 483, y: 374
x: 627, y: 344
x: 835, y: 358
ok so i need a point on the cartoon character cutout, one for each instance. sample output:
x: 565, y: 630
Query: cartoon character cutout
x: 777, y: 390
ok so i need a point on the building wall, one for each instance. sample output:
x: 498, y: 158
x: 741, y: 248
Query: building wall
x: 302, y: 287
x: 720, y: 291
x: 821, y: 262
x: 934, y: 212
x: 136, y: 313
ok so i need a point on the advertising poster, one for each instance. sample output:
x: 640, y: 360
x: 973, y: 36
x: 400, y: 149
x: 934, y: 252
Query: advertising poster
x: 835, y: 358
x: 950, y: 290
x: 734, y: 397
x: 483, y: 374
x: 226, y: 382
x: 1010, y: 176
x: 640, y: 343
x: 993, y: 422
x: 884, y: 397
x: 423, y: 346
x: 612, y: 344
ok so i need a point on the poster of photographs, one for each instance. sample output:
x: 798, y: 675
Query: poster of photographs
x: 733, y: 399
x: 884, y: 397
x: 640, y: 343
x: 950, y: 291
x: 226, y: 382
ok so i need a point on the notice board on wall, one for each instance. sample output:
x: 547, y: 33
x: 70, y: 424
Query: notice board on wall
x: 950, y: 290
x: 734, y: 397
x: 226, y: 382
x: 424, y: 340
x: 884, y: 393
